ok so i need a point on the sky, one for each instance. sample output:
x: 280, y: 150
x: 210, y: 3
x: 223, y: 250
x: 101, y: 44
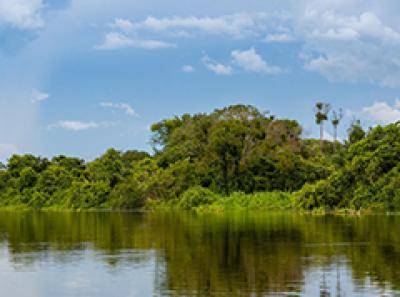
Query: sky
x: 80, y: 76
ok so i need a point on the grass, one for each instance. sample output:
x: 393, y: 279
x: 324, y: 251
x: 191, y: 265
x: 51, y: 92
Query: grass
x: 257, y: 201
x: 235, y: 201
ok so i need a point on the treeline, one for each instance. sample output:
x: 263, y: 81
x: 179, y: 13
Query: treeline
x: 234, y: 149
x: 368, y: 178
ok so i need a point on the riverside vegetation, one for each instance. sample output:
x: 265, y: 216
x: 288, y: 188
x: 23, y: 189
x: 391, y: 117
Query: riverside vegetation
x: 235, y: 157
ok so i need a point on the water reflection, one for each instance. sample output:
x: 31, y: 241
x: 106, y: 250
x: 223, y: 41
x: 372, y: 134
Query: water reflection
x: 171, y: 254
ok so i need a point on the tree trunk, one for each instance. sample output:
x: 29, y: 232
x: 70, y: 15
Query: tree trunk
x: 321, y: 131
x: 334, y: 133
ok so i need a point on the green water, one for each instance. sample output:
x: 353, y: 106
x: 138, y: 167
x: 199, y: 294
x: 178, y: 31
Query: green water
x: 183, y: 254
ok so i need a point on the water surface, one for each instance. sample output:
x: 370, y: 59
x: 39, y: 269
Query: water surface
x: 182, y: 254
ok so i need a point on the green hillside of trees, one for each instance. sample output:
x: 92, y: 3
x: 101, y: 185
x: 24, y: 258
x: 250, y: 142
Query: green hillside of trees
x: 237, y: 149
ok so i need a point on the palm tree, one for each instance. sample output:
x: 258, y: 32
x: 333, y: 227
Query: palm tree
x: 335, y: 119
x: 321, y: 115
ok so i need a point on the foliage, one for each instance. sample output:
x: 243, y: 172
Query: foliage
x: 200, y: 198
x: 257, y: 201
x: 369, y: 176
x: 65, y: 182
x: 84, y: 195
x: 237, y: 148
x: 126, y: 195
x: 195, y: 197
x: 356, y: 132
x: 236, y: 156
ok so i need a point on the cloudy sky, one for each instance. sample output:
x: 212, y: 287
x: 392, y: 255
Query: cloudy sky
x: 79, y: 76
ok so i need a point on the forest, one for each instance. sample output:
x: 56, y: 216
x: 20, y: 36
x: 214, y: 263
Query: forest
x: 234, y: 157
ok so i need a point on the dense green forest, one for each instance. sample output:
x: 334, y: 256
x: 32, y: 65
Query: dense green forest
x: 237, y: 156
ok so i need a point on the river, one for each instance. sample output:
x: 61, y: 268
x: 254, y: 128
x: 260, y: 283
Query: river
x: 131, y: 254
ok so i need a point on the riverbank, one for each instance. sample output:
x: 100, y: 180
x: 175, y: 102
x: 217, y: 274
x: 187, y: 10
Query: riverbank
x: 202, y: 200
x: 199, y: 199
x: 196, y: 198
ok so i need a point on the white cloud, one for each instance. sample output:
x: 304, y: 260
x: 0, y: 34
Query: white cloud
x: 250, y: 61
x: 383, y: 112
x: 334, y: 26
x: 342, y: 41
x: 127, y: 108
x: 217, y: 68
x: 6, y: 150
x: 38, y: 96
x: 340, y: 67
x: 74, y: 125
x: 179, y: 34
x: 115, y: 40
x: 236, y: 25
x: 350, y: 47
x: 397, y: 103
x: 22, y: 14
x: 122, y: 24
x: 187, y: 68
x: 279, y: 37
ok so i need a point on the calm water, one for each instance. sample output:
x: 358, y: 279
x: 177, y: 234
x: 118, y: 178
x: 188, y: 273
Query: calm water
x: 167, y: 254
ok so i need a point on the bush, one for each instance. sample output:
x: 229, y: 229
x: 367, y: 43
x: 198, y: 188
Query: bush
x: 257, y: 201
x: 37, y: 200
x: 85, y: 195
x: 196, y: 196
x: 306, y: 198
x: 127, y: 195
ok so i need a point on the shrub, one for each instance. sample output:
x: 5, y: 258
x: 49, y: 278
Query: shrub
x: 127, y: 195
x: 196, y: 196
x: 306, y: 198
x: 37, y: 200
x: 256, y: 201
x: 84, y: 195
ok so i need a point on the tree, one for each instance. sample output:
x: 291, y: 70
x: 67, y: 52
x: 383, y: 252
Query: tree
x: 18, y: 162
x: 235, y: 148
x: 335, y: 119
x: 107, y: 168
x: 321, y: 115
x: 28, y: 178
x: 226, y: 142
x: 370, y: 176
x: 127, y: 195
x: 355, y: 132
x: 131, y: 156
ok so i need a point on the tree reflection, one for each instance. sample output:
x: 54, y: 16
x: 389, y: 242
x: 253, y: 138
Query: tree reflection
x: 240, y: 253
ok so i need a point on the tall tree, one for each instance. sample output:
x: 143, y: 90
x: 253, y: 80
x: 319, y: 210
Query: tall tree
x: 321, y: 115
x: 335, y: 119
x: 355, y: 132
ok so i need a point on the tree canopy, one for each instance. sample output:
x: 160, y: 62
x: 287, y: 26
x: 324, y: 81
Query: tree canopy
x: 234, y: 149
x: 370, y: 175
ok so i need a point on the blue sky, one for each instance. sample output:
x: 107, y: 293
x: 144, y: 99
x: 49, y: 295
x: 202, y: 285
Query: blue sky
x: 78, y: 77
